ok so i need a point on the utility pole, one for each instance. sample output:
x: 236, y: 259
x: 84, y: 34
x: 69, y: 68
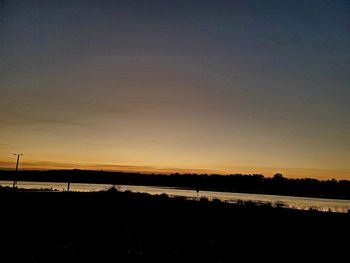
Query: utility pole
x: 17, y: 163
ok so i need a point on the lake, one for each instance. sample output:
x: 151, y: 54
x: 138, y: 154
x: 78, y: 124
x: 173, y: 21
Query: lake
x: 305, y: 203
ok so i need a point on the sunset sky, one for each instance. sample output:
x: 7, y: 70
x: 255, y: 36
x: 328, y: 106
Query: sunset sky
x: 177, y: 86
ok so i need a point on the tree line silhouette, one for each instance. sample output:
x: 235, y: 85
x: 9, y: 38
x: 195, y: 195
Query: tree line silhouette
x: 254, y: 183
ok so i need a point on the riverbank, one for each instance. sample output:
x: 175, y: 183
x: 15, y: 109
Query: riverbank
x: 128, y: 227
x: 303, y: 203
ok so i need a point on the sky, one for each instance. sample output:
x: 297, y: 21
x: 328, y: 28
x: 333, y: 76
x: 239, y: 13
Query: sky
x: 177, y: 86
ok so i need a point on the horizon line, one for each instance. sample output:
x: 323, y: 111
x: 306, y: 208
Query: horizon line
x: 290, y: 173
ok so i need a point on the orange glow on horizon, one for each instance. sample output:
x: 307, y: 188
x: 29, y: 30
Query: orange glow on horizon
x: 266, y: 171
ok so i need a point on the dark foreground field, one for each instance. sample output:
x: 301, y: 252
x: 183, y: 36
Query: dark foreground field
x: 127, y: 227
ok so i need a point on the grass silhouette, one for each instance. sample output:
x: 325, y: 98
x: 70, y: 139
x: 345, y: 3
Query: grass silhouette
x: 132, y: 227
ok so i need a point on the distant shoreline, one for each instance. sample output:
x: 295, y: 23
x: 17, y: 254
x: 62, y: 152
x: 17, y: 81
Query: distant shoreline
x: 238, y: 183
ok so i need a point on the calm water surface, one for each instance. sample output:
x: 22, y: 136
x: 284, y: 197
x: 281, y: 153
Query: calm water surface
x: 321, y: 204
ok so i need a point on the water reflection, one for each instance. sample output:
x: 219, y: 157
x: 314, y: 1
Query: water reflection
x: 335, y: 205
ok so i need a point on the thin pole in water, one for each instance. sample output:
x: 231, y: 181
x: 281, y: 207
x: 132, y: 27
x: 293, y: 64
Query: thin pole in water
x: 17, y: 163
